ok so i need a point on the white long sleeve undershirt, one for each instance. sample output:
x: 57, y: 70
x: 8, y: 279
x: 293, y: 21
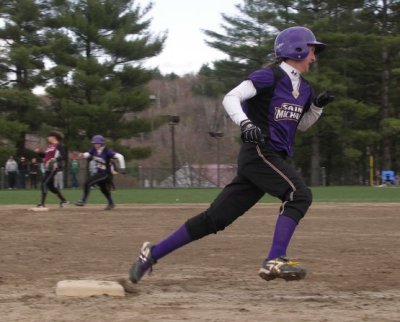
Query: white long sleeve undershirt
x: 233, y: 100
x: 309, y: 118
x: 118, y: 156
x: 121, y: 160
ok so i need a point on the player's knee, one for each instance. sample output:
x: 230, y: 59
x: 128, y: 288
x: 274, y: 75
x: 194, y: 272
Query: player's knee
x: 53, y: 189
x: 298, y: 203
x: 199, y: 226
x: 304, y: 201
x: 301, y: 195
x: 306, y: 196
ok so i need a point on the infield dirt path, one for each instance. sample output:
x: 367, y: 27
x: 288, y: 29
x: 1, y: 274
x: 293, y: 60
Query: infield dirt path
x: 351, y: 252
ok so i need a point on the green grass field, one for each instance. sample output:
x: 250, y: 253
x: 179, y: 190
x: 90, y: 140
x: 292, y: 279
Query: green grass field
x: 171, y: 196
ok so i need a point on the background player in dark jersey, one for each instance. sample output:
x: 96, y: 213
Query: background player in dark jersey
x: 269, y: 106
x: 102, y: 156
x: 53, y: 159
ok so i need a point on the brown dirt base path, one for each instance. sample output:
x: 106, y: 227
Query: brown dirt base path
x: 351, y: 252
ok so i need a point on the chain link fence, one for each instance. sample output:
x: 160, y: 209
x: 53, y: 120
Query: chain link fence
x: 187, y: 176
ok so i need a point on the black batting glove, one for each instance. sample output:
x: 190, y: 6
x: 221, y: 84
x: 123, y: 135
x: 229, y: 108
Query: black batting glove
x: 123, y: 171
x: 250, y: 132
x: 323, y: 99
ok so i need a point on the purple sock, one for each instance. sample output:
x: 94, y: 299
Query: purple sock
x: 284, y: 229
x: 174, y: 241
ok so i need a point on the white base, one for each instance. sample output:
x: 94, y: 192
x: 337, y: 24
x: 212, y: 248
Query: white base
x: 85, y: 288
x: 39, y: 209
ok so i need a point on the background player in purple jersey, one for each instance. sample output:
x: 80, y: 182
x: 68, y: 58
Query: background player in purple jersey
x: 269, y: 105
x: 102, y: 156
x: 53, y: 159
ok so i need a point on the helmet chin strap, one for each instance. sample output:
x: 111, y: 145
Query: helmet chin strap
x: 295, y: 64
x: 300, y: 65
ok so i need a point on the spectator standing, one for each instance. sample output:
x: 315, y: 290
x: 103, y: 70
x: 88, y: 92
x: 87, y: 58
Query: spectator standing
x: 74, y: 173
x: 23, y: 172
x: 42, y: 168
x: 59, y: 180
x: 33, y: 173
x: 11, y: 172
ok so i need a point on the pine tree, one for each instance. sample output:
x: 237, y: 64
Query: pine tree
x: 382, y: 20
x: 98, y: 80
x: 22, y: 65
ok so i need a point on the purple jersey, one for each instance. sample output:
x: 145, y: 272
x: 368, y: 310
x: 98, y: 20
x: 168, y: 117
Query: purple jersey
x: 102, y: 159
x: 274, y: 109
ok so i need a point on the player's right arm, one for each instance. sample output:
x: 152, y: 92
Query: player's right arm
x: 233, y: 100
x: 39, y: 153
x: 233, y: 106
x: 86, y: 155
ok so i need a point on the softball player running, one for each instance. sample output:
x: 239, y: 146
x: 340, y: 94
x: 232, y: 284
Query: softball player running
x: 102, y: 156
x: 53, y: 158
x: 269, y: 105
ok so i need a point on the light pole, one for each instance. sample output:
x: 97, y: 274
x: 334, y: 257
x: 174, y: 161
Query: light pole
x: 218, y: 136
x: 173, y: 120
x: 154, y: 101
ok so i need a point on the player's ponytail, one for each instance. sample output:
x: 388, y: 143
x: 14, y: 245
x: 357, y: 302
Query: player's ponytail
x: 276, y: 62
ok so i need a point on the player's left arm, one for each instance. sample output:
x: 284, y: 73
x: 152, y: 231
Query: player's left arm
x: 310, y: 117
x: 315, y: 110
x: 61, y: 155
x: 121, y: 161
x: 57, y: 160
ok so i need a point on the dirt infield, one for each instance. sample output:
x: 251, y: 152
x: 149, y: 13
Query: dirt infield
x: 351, y: 253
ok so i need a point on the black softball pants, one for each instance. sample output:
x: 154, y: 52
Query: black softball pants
x: 260, y: 171
x: 103, y: 180
x: 48, y: 182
